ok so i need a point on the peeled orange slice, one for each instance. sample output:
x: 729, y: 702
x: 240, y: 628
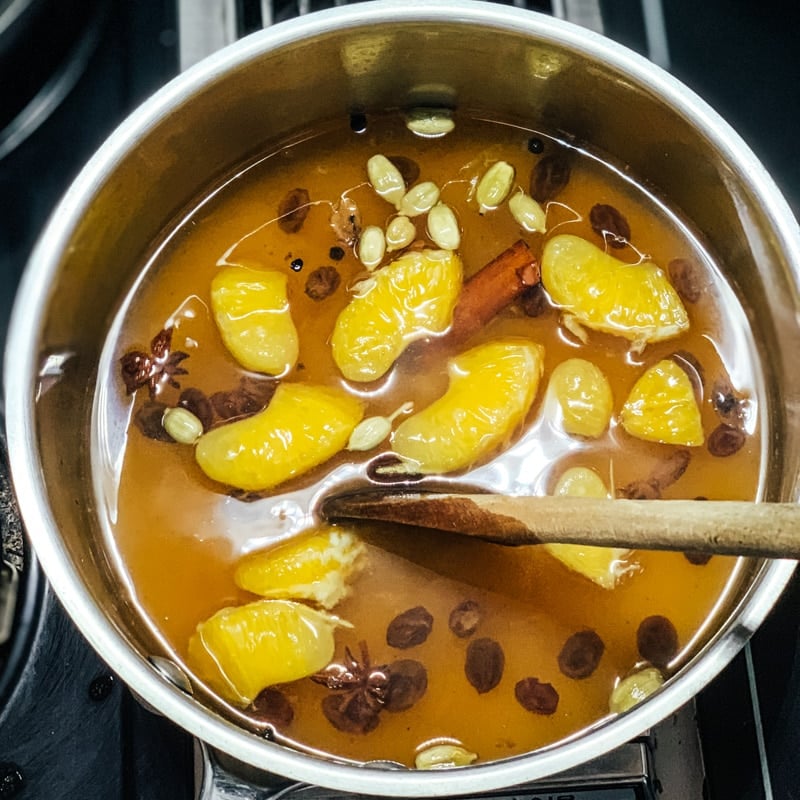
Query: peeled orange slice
x: 252, y: 313
x: 598, y: 291
x: 602, y: 565
x: 316, y: 567
x: 491, y: 389
x: 406, y: 300
x: 662, y: 407
x: 303, y: 426
x: 240, y: 651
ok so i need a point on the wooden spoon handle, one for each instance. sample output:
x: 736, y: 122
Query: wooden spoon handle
x: 727, y: 527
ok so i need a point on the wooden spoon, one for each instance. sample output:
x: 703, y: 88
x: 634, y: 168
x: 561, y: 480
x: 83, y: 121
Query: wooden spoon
x: 727, y: 527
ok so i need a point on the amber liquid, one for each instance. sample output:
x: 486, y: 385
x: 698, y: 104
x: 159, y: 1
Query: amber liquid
x: 178, y: 535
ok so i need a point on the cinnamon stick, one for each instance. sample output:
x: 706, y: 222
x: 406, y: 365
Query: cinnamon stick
x: 491, y: 289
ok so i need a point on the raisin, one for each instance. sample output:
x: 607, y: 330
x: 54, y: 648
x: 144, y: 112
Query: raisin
x: 465, y: 618
x: 148, y: 421
x: 408, y: 682
x: 657, y: 640
x: 196, y: 401
x: 581, y: 654
x: 410, y: 628
x: 248, y: 399
x: 533, y: 300
x: 322, y: 282
x: 685, y: 279
x: 272, y: 705
x: 671, y: 468
x: 351, y: 713
x: 641, y: 490
x: 293, y: 210
x: 550, y: 175
x: 535, y: 696
x: 610, y: 224
x: 407, y: 167
x: 726, y: 440
x: 697, y: 557
x: 485, y: 664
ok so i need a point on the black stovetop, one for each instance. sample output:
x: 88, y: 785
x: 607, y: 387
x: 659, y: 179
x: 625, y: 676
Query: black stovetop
x: 68, y: 729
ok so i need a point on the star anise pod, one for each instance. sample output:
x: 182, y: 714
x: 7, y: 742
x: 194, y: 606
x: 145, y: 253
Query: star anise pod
x: 151, y: 369
x: 363, y: 688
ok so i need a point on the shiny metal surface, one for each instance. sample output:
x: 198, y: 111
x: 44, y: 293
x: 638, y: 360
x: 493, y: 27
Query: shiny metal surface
x: 507, y: 62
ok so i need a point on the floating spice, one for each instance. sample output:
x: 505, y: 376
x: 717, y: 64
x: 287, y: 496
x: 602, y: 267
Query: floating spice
x: 581, y: 654
x: 161, y: 364
x: 465, y: 618
x: 730, y: 406
x: 535, y: 696
x: 322, y: 282
x: 293, y: 210
x: 485, y: 664
x: 346, y: 221
x: 410, y: 628
x: 657, y: 640
x: 361, y: 688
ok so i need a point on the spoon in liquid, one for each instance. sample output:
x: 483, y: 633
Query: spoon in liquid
x: 720, y: 527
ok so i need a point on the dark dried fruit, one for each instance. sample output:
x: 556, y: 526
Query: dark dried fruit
x: 670, y: 469
x: 465, y: 618
x: 271, y: 705
x: 196, y: 401
x: 685, y: 278
x: 485, y: 664
x: 148, y: 421
x: 351, y: 713
x: 581, y: 654
x: 730, y: 407
x: 293, y: 210
x: 657, y: 640
x: 322, y: 282
x: 645, y: 489
x: 665, y: 474
x: 550, y: 175
x: 410, y: 628
x: 345, y: 220
x: 725, y: 440
x: 610, y: 224
x: 533, y: 300
x: 407, y: 167
x: 698, y: 558
x: 249, y: 398
x: 408, y: 682
x: 532, y: 695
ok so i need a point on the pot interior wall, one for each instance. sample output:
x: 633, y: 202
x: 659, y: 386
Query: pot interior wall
x: 230, y: 108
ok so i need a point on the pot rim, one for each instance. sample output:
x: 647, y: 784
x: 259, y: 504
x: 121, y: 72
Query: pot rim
x: 22, y: 362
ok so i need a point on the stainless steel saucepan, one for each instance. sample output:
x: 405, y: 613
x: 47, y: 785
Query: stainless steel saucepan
x: 485, y: 58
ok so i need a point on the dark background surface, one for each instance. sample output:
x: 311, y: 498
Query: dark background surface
x: 72, y: 731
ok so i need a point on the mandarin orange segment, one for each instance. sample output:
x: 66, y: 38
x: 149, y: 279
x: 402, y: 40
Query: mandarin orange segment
x: 303, y: 426
x: 240, y: 651
x: 491, y: 389
x: 602, y: 565
x: 600, y: 292
x: 316, y: 567
x: 662, y: 407
x: 251, y: 309
x: 408, y: 299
